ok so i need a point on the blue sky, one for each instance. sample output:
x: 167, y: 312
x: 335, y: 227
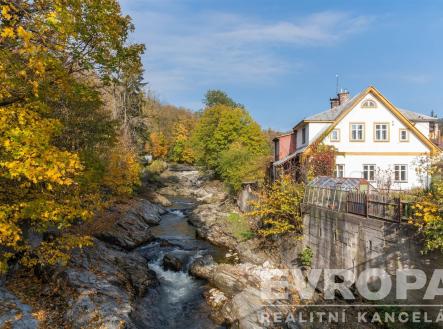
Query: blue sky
x: 280, y: 58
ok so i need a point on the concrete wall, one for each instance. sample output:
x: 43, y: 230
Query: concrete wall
x: 346, y: 241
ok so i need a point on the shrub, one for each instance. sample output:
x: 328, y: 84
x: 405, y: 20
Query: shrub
x: 305, y: 257
x: 277, y: 208
x: 157, y: 167
x: 239, y: 226
x: 427, y: 210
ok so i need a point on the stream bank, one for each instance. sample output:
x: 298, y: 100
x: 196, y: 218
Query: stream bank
x: 153, y: 266
x: 236, y: 297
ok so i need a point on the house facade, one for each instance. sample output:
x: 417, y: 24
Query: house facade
x: 374, y: 140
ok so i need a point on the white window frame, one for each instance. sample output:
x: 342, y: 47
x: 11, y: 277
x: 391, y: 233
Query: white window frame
x: 358, y: 130
x: 338, y: 171
x: 367, y: 168
x: 379, y: 129
x: 337, y: 137
x: 401, y: 130
x: 398, y: 170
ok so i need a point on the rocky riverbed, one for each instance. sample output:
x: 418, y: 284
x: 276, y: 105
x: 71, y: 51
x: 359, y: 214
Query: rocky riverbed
x: 236, y: 297
x: 149, y: 266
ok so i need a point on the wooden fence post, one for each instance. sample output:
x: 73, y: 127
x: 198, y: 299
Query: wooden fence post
x: 367, y: 204
x: 399, y: 209
x: 347, y: 202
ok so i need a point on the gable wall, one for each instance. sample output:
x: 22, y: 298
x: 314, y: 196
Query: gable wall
x: 369, y: 116
x: 423, y: 127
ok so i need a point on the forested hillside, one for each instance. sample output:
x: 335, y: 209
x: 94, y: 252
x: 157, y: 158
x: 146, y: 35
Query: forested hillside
x: 75, y: 121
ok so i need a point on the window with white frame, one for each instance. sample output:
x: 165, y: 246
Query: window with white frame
x: 381, y: 132
x: 303, y: 135
x: 369, y: 172
x: 357, y: 132
x: 340, y: 170
x: 404, y: 135
x: 335, y: 135
x: 401, y: 173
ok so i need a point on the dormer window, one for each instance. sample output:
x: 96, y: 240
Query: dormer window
x: 369, y: 103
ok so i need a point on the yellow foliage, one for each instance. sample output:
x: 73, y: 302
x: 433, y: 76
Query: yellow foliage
x: 122, y: 171
x: 36, y: 179
x: 159, y: 145
x: 47, y: 50
x: 427, y: 214
x: 277, y: 208
x: 7, y: 32
x: 181, y: 150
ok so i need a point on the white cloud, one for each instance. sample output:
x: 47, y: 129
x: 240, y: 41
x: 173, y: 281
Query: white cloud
x: 186, y: 50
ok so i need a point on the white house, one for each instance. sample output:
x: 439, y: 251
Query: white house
x: 374, y: 139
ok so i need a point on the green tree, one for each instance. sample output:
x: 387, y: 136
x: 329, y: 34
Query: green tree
x: 219, y: 97
x: 220, y: 126
x: 238, y: 164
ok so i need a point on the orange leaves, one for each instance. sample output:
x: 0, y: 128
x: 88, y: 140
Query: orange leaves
x: 159, y: 145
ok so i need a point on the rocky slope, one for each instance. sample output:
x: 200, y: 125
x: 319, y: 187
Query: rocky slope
x: 102, y: 282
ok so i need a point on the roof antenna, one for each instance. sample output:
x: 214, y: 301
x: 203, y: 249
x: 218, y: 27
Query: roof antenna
x: 336, y: 83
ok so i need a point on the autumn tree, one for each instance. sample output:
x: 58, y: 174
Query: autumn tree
x: 56, y: 58
x: 159, y: 146
x: 319, y: 160
x: 175, y: 123
x: 181, y: 149
x: 277, y: 208
x: 427, y: 213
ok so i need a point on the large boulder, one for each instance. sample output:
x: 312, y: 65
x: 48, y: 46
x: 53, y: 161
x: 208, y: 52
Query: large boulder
x: 159, y: 199
x: 131, y: 228
x: 202, y: 267
x: 172, y: 263
x: 238, y: 298
x: 105, y: 282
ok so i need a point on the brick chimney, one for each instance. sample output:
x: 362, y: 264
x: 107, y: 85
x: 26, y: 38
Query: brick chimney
x: 343, y: 96
x: 334, y: 102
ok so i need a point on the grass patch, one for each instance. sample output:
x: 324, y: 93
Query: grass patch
x: 239, y: 226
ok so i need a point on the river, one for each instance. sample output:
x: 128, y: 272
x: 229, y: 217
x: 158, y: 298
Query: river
x: 178, y: 301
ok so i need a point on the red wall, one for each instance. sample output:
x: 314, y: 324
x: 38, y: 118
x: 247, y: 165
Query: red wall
x: 287, y: 145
